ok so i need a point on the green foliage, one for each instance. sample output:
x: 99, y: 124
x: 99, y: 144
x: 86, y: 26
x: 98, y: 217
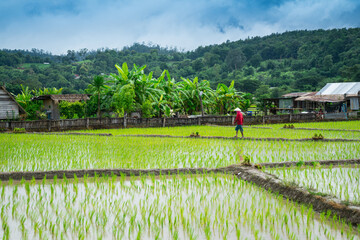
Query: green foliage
x: 265, y: 67
x: 97, y: 87
x: 318, y: 136
x: 298, y: 60
x: 31, y: 107
x: 124, y: 99
x: 19, y: 130
x: 146, y: 109
x: 72, y: 110
x: 300, y: 163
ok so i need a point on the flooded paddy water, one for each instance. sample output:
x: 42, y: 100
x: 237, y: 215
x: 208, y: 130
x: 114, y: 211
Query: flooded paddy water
x: 209, y: 206
x: 340, y: 181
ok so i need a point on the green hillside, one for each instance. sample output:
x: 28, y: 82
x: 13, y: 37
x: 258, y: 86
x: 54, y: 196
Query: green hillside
x: 291, y: 61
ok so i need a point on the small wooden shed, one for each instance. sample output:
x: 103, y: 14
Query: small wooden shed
x: 9, y: 108
x: 51, y: 102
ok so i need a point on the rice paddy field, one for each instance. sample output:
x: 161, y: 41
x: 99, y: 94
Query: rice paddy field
x: 28, y: 152
x: 207, y: 206
x: 341, y: 182
x: 263, y: 131
x: 177, y: 207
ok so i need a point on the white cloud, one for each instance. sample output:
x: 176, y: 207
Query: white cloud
x: 185, y: 24
x: 313, y: 14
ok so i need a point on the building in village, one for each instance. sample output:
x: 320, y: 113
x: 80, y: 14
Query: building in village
x: 51, y: 103
x: 332, y: 98
x: 9, y: 108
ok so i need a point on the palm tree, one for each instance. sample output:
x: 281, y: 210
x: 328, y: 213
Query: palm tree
x: 97, y: 86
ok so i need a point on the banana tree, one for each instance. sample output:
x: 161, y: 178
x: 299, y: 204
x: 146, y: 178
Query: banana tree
x: 189, y: 92
x: 143, y: 84
x: 47, y: 91
x: 226, y: 97
x: 161, y: 106
x: 170, y: 90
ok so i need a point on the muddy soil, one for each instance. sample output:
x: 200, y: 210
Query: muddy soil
x: 200, y: 137
x: 325, y: 129
x: 311, y: 163
x: 245, y: 138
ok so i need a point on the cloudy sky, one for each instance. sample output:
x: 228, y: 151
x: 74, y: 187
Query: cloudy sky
x: 60, y: 25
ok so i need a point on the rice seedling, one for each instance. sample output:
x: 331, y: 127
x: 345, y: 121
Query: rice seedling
x: 275, y: 131
x: 341, y: 182
x: 200, y: 207
x: 34, y: 153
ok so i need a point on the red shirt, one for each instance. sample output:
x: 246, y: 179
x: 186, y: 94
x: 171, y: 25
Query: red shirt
x: 239, y: 120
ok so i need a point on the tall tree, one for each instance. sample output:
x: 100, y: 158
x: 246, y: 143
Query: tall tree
x: 97, y: 86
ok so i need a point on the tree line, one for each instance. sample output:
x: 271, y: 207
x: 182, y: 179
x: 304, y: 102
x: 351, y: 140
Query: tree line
x: 132, y: 90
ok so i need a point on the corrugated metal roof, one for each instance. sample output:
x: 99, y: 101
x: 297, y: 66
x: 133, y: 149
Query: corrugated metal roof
x: 348, y: 88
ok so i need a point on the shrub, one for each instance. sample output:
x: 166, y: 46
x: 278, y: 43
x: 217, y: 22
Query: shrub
x: 72, y: 110
x: 146, y: 109
x: 19, y: 130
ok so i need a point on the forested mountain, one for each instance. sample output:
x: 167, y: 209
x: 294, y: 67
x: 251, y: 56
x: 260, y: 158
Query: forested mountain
x: 291, y: 61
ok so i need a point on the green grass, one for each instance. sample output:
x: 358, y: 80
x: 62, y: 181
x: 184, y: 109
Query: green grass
x: 39, y: 65
x: 84, y: 61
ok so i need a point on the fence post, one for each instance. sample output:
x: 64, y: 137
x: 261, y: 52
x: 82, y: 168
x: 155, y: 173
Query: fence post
x: 164, y: 120
x: 263, y: 120
x: 87, y: 123
x: 199, y: 120
x: 49, y: 125
x: 125, y: 120
x: 290, y: 117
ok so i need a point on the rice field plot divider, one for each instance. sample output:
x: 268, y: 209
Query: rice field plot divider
x: 38, y: 175
x: 311, y: 163
x: 69, y: 133
x: 245, y: 138
x: 324, y: 129
x: 200, y: 137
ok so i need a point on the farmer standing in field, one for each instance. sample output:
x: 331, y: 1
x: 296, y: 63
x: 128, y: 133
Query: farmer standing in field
x: 239, y: 120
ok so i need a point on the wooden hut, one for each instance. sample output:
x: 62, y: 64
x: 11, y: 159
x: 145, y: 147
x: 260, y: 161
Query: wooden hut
x: 51, y: 102
x: 9, y: 108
